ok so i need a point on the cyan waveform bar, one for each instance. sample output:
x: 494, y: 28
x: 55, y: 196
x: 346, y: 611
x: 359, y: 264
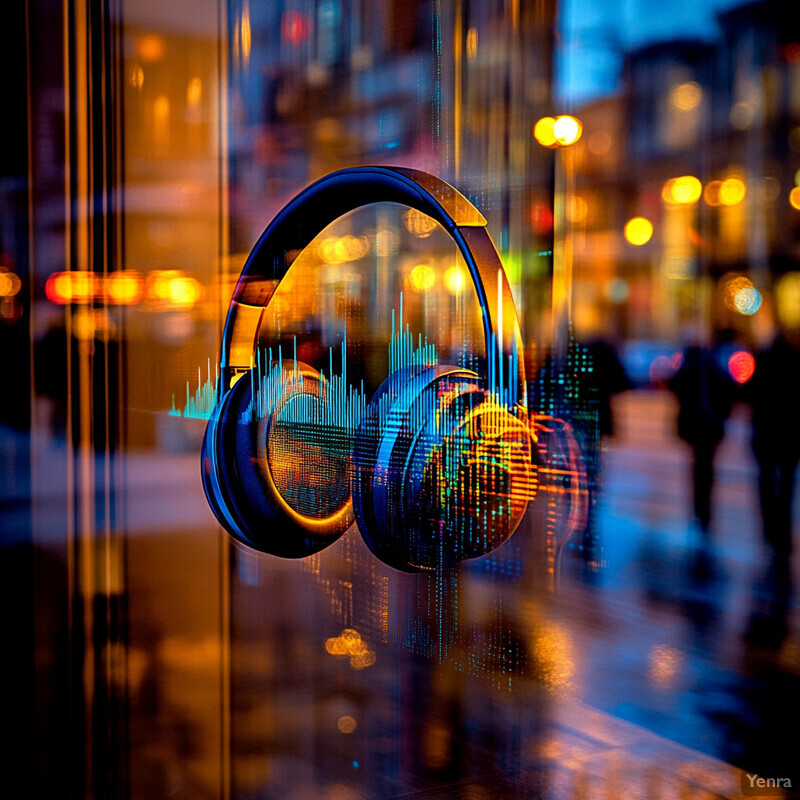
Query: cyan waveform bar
x: 335, y: 403
x: 199, y: 405
x: 503, y: 382
x: 402, y: 352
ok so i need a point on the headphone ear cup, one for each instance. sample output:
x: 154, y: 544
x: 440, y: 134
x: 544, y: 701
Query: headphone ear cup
x: 210, y: 472
x: 376, y: 421
x: 470, y: 475
x: 238, y: 478
x: 442, y: 472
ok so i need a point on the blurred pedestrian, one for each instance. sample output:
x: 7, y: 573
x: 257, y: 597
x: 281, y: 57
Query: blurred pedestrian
x: 773, y: 394
x: 606, y: 379
x: 705, y: 392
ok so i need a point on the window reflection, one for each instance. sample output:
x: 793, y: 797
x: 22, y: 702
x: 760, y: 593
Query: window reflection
x: 638, y: 170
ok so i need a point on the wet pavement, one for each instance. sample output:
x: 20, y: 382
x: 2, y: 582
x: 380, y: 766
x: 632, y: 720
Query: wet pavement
x: 694, y: 639
x: 665, y: 673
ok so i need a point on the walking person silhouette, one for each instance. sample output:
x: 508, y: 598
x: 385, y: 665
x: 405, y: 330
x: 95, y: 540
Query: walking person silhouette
x: 705, y: 393
x: 774, y: 392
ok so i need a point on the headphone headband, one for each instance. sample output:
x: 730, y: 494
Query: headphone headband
x: 307, y: 214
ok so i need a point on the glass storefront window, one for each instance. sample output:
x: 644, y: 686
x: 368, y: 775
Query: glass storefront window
x: 638, y: 169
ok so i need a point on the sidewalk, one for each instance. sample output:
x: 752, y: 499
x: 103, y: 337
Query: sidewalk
x: 671, y: 632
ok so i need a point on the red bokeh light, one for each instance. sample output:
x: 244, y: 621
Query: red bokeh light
x: 741, y: 365
x: 541, y: 219
x: 294, y: 27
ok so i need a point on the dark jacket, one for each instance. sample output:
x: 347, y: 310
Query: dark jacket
x: 774, y: 394
x: 705, y: 393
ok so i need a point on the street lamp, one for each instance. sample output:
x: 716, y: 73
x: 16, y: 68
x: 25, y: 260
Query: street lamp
x: 560, y: 133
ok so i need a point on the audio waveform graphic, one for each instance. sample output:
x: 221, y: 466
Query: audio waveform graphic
x: 344, y: 404
x: 402, y: 352
x: 328, y: 400
x: 199, y: 405
x: 323, y: 400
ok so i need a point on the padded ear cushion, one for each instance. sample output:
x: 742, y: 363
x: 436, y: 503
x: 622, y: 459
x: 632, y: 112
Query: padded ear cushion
x: 376, y: 420
x: 246, y: 499
x: 469, y: 476
x: 210, y: 474
x: 441, y: 472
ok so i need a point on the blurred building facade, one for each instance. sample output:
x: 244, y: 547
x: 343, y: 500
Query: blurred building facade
x: 701, y: 142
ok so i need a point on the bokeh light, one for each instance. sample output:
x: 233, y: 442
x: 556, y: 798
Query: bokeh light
x: 555, y: 652
x: 747, y: 300
x: 422, y: 278
x: 90, y: 323
x: 183, y: 291
x: 10, y: 284
x: 455, y: 279
x: 72, y: 287
x: 341, y: 249
x: 541, y: 218
x: 558, y: 131
x: 124, y: 288
x: 686, y: 96
x: 664, y: 665
x: 349, y: 643
x: 790, y: 53
x: 662, y: 368
x: 386, y: 241
x: 732, y: 191
x: 194, y: 92
x: 711, y: 193
x: 599, y: 143
x: 59, y: 288
x: 472, y: 43
x: 769, y: 190
x: 295, y: 27
x: 567, y: 129
x: 794, y: 198
x: 638, y: 230
x: 787, y: 299
x: 137, y: 77
x: 172, y: 289
x: 150, y: 47
x: 742, y: 116
x: 421, y: 225
x: 617, y: 290
x: 346, y: 724
x: 543, y: 132
x: 683, y: 190
x: 741, y: 366
x: 739, y: 294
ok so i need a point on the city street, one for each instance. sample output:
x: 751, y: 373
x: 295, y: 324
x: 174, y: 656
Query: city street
x: 688, y: 639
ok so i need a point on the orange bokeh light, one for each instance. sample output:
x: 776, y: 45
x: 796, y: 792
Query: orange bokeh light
x: 683, y: 190
x: 123, y: 288
x: 116, y: 288
x: 72, y: 287
x: 638, y: 230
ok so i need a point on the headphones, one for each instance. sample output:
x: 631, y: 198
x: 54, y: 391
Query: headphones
x: 436, y: 468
